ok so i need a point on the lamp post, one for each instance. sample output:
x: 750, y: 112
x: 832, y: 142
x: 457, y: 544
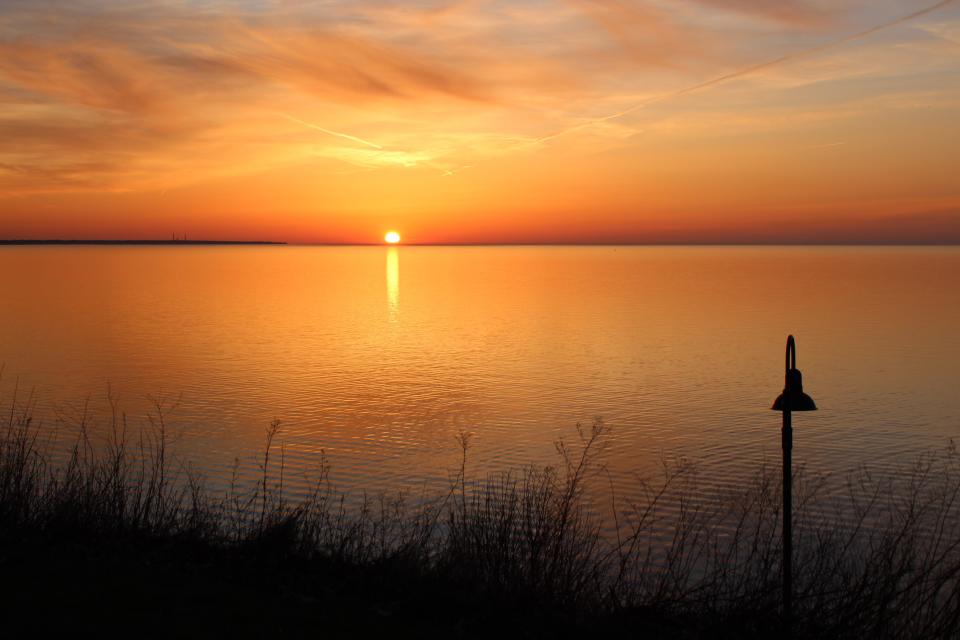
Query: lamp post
x: 792, y: 399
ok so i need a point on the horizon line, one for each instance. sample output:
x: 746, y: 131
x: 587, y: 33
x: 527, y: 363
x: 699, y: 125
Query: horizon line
x: 746, y: 243
x: 38, y: 241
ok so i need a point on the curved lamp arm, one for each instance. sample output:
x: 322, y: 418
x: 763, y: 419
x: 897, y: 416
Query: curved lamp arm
x: 791, y: 362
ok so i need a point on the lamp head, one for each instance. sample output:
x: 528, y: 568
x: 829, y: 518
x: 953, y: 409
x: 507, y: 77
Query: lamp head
x: 793, y: 398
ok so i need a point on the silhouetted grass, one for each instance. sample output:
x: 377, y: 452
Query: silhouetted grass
x: 517, y: 553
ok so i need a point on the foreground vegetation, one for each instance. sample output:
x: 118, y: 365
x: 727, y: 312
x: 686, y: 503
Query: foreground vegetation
x: 116, y: 534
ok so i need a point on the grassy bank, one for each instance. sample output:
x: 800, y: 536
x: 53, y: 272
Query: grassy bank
x: 116, y: 537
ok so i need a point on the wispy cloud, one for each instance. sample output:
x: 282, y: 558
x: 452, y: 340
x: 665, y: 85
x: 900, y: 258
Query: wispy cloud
x: 795, y: 12
x: 336, y: 134
x: 749, y: 70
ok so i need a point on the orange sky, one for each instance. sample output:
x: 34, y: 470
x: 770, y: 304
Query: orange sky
x: 482, y: 120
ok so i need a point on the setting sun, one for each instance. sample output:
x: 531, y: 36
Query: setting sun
x: 392, y: 237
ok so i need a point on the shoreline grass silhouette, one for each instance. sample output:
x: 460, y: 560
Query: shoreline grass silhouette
x: 116, y: 536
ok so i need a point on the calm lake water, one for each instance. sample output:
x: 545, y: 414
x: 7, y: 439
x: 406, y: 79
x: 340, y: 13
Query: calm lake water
x: 381, y: 356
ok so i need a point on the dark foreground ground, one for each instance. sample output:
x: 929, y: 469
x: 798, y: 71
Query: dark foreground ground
x: 115, y: 544
x: 71, y: 586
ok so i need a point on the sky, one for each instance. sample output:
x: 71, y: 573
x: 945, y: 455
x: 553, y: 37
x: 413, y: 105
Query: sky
x: 477, y: 121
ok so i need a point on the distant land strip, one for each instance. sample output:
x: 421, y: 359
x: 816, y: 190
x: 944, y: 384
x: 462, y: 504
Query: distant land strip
x: 141, y: 242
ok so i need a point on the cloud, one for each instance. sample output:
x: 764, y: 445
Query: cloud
x: 749, y: 70
x: 141, y: 90
x: 794, y: 12
x: 649, y: 35
x: 104, y: 64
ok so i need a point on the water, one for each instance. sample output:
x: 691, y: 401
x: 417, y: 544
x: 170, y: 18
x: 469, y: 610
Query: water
x: 380, y: 357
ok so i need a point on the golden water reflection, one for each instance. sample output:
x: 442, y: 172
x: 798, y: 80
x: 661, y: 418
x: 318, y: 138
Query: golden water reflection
x: 678, y: 349
x: 393, y: 283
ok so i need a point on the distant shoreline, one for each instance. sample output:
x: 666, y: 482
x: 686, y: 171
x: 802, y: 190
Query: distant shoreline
x: 140, y: 242
x: 18, y: 242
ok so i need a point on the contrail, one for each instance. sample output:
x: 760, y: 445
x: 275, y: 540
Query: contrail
x: 345, y: 136
x: 752, y: 69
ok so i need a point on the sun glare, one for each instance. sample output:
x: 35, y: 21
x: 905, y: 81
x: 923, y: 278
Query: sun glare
x: 392, y: 237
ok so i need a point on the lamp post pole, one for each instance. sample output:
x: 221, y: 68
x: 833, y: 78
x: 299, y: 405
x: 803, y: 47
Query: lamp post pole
x: 786, y: 436
x: 792, y: 399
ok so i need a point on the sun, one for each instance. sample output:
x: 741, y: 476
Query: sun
x: 392, y: 237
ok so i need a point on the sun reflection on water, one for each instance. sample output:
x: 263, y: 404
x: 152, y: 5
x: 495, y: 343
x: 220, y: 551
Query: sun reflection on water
x: 393, y: 283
